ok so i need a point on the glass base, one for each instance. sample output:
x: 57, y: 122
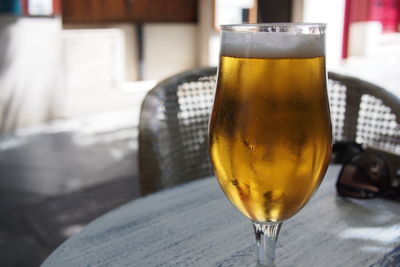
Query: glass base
x: 266, y: 236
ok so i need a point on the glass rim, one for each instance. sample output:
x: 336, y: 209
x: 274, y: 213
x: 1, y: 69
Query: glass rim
x: 251, y: 27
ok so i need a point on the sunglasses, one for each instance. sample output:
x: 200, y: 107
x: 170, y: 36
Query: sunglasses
x: 367, y: 173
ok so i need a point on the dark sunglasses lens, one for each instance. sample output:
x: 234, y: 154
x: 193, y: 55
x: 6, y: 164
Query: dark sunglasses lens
x: 364, y: 176
x: 343, y: 151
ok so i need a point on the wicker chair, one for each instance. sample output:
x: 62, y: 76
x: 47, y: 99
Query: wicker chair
x: 173, y: 145
x: 173, y: 130
x: 364, y: 113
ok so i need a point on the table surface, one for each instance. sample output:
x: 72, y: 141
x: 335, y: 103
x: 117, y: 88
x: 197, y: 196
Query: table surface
x: 195, y: 225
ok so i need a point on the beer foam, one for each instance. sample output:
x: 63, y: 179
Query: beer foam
x: 272, y: 44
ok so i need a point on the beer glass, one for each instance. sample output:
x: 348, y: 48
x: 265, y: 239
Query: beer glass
x: 270, y: 129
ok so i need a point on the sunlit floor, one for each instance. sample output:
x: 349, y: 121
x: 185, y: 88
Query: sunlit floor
x: 56, y: 178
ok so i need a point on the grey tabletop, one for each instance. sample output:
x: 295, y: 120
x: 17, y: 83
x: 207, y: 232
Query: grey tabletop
x: 195, y: 225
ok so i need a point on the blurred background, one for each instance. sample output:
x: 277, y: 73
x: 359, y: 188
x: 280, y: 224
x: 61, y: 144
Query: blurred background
x: 73, y: 74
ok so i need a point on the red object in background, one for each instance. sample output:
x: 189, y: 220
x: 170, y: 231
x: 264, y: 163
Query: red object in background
x: 376, y: 10
x: 358, y: 10
x: 366, y: 10
x: 391, y: 15
x: 24, y: 7
x: 346, y: 23
x: 56, y: 8
x: 385, y: 11
x: 398, y: 15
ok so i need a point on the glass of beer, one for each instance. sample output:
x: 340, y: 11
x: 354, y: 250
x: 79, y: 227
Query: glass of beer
x: 270, y: 129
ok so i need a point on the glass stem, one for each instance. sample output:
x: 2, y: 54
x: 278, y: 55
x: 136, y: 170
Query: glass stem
x: 266, y: 236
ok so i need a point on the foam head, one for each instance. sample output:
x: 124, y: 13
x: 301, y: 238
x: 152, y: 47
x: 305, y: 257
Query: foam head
x: 273, y: 41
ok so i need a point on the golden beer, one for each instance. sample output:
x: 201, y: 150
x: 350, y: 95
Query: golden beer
x: 270, y: 133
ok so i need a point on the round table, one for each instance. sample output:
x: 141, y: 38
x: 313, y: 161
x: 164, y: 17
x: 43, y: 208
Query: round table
x: 195, y: 225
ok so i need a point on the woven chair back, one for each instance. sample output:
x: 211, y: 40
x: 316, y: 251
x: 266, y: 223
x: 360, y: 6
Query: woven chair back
x: 173, y: 128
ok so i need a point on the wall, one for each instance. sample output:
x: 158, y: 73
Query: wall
x: 49, y: 73
x: 208, y: 43
x: 327, y: 11
x: 169, y: 49
x: 30, y: 71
